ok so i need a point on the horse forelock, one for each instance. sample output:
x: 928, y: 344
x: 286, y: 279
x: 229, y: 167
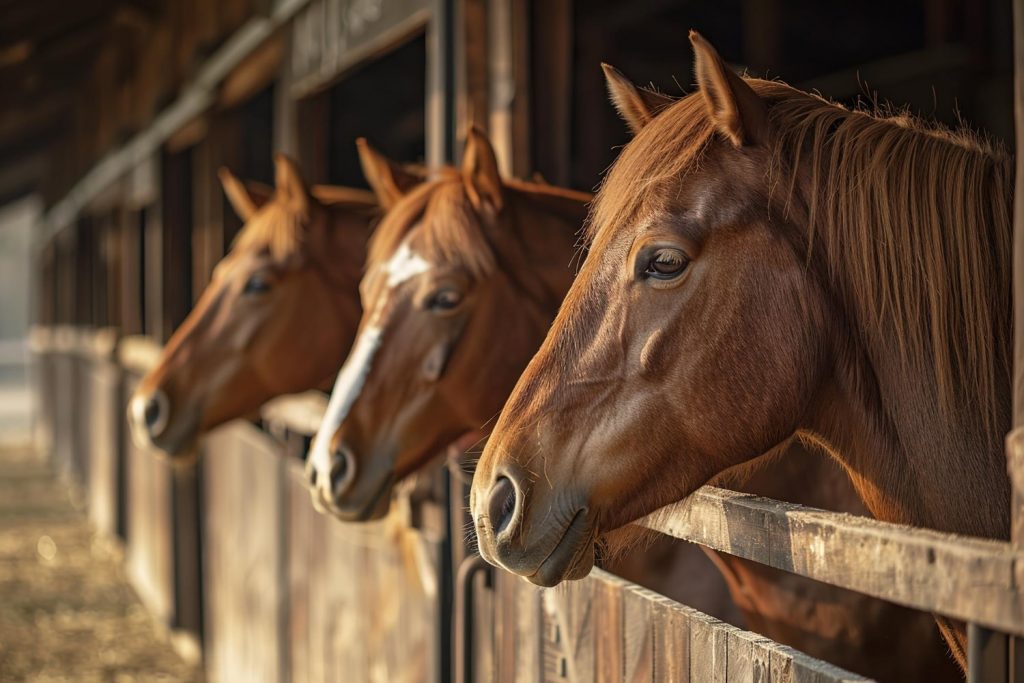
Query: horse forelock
x: 448, y: 230
x: 274, y: 228
x: 912, y: 219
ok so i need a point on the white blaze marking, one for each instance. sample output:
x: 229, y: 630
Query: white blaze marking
x: 346, y: 389
x: 403, y: 265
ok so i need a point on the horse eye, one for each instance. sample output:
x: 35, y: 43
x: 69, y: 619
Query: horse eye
x: 256, y: 284
x: 445, y: 299
x: 666, y: 263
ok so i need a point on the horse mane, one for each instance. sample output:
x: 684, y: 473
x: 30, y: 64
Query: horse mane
x: 448, y: 224
x: 280, y: 230
x: 913, y: 218
x: 274, y: 228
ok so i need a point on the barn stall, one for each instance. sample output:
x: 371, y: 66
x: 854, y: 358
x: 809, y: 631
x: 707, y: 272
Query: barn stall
x: 228, y: 552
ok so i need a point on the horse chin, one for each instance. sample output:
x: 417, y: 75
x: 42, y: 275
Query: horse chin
x: 572, y: 558
x: 179, y: 444
x: 377, y: 507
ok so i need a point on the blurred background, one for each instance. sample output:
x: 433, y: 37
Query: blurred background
x: 114, y: 118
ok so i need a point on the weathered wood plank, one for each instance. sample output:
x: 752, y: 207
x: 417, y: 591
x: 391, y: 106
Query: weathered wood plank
x: 528, y: 633
x: 330, y: 38
x: 691, y: 646
x: 105, y: 465
x: 740, y: 666
x: 708, y: 649
x: 965, y: 578
x: 638, y: 629
x: 671, y: 641
x: 608, y: 635
x: 246, y: 594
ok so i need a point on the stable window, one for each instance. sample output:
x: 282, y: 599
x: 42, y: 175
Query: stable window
x: 383, y: 100
x: 942, y: 60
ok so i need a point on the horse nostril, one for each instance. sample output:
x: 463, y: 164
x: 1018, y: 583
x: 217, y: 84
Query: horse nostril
x: 156, y: 413
x: 343, y: 470
x: 502, y: 504
x: 152, y: 412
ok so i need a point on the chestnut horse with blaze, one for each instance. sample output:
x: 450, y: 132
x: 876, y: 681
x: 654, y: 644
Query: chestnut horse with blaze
x: 768, y: 266
x: 294, y: 268
x: 464, y: 276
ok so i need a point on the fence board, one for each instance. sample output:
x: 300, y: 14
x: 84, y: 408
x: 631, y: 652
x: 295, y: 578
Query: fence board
x: 148, y: 537
x: 246, y: 595
x: 604, y: 628
x: 162, y: 534
x: 671, y: 640
x: 369, y: 591
x: 708, y: 643
x: 105, y: 466
x: 608, y: 635
x: 965, y: 578
x: 637, y: 638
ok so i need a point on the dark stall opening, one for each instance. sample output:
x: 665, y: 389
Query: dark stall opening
x: 383, y: 100
x: 252, y: 156
x: 950, y: 61
x: 178, y: 221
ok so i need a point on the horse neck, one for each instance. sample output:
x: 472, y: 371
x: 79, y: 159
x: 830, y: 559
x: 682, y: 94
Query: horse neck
x: 339, y: 257
x: 911, y: 460
x: 545, y: 223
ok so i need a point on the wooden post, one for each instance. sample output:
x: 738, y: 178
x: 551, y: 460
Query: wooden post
x: 509, y: 85
x: 551, y: 90
x: 1015, y: 441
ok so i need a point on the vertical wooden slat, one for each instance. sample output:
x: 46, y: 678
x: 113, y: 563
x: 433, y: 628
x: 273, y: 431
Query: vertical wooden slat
x: 508, y: 85
x: 711, y: 643
x: 638, y: 628
x: 671, y: 643
x: 528, y: 632
x: 441, y: 118
x: 1015, y: 442
x: 608, y: 634
x: 741, y: 666
x: 471, y: 67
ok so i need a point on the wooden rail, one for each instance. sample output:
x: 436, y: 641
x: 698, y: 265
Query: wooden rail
x: 670, y: 641
x: 972, y: 579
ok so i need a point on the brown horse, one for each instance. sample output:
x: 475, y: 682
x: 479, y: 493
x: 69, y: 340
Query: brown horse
x: 455, y: 263
x: 294, y: 267
x: 766, y: 265
x: 396, y: 404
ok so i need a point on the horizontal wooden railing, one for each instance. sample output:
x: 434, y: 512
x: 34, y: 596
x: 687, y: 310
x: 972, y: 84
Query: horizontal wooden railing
x: 972, y: 579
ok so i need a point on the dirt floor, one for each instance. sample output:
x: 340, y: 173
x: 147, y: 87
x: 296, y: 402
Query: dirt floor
x: 67, y: 612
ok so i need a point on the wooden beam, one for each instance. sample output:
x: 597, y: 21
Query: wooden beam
x: 253, y: 74
x: 972, y: 579
x: 192, y: 100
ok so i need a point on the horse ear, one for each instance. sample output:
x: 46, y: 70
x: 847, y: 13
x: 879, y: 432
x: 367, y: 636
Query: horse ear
x: 245, y: 198
x: 735, y: 108
x: 480, y: 169
x: 636, y: 106
x: 289, y: 184
x: 388, y: 180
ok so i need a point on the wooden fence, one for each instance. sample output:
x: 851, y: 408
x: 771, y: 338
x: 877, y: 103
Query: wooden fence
x: 285, y: 593
x: 230, y: 554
